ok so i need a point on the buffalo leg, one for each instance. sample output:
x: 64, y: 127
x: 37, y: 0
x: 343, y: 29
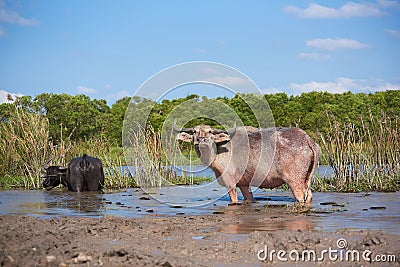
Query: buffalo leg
x: 233, y: 195
x: 309, y: 196
x: 299, y: 193
x: 248, y: 195
x: 302, y: 194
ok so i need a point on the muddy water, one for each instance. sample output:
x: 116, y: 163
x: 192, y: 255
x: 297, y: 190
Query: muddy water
x: 330, y: 211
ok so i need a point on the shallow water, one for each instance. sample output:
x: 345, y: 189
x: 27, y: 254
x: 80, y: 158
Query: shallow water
x: 200, y: 170
x: 330, y: 211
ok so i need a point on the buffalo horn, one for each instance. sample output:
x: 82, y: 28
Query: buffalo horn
x: 180, y: 130
x: 46, y: 165
x: 218, y: 131
x: 230, y: 131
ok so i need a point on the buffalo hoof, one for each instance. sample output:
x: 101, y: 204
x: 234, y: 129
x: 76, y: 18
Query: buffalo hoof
x: 235, y: 204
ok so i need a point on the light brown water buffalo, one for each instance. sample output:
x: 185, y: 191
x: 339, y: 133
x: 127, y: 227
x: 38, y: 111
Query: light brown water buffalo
x: 265, y: 158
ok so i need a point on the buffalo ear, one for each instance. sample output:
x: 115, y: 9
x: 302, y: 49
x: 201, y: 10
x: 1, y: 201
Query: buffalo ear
x: 221, y: 137
x: 62, y: 169
x: 185, y: 137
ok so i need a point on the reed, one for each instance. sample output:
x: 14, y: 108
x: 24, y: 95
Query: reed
x: 146, y: 154
x: 24, y: 146
x: 25, y: 150
x: 363, y: 156
x: 323, y: 184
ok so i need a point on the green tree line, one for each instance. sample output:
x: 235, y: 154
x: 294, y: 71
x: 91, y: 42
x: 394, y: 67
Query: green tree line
x: 81, y: 118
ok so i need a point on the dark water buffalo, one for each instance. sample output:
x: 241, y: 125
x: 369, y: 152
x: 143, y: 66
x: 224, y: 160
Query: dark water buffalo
x: 82, y: 174
x: 55, y: 175
x: 85, y: 174
x: 265, y: 158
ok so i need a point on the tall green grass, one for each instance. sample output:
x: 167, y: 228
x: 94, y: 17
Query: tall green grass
x: 146, y: 151
x: 364, y: 156
x: 24, y: 147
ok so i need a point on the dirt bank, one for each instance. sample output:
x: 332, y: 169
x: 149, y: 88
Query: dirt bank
x: 213, y: 240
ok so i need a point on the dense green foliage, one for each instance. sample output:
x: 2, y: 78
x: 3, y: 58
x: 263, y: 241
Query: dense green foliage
x: 82, y: 118
x: 358, y: 133
x: 309, y: 111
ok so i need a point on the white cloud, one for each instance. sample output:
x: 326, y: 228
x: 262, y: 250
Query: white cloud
x: 211, y: 71
x: 121, y: 94
x: 393, y: 33
x: 85, y: 90
x: 222, y: 43
x: 272, y: 90
x: 229, y: 81
x: 330, y: 44
x: 387, y: 3
x: 314, y: 56
x: 5, y: 96
x: 111, y: 98
x: 348, y: 10
x: 343, y: 84
x: 333, y: 87
x: 14, y: 18
x: 200, y: 51
x: 11, y: 17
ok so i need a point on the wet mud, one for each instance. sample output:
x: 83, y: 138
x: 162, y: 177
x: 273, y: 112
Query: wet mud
x: 212, y: 240
x: 121, y: 229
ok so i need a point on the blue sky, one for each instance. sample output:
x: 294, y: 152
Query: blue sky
x: 107, y: 49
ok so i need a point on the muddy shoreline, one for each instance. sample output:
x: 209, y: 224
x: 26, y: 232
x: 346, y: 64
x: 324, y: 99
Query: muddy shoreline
x: 202, y: 240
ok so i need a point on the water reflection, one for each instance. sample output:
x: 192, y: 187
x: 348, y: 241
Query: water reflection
x: 265, y: 217
x: 201, y: 170
x: 275, y: 198
x: 254, y: 223
x: 273, y: 209
x: 85, y: 202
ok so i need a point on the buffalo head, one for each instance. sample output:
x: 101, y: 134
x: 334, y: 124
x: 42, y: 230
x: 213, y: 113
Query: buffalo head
x: 55, y: 175
x: 206, y: 140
